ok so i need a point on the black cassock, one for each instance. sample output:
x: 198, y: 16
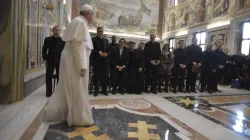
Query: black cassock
x: 152, y: 51
x: 51, y: 52
x: 119, y: 77
x: 135, y: 81
x: 180, y: 58
x: 100, y: 64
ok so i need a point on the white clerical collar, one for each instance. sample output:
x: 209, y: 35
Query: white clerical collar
x: 84, y: 19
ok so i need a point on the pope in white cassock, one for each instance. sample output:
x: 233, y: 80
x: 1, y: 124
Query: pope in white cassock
x: 70, y: 101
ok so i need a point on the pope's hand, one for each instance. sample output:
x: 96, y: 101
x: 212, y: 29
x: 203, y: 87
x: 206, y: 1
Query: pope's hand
x: 140, y: 69
x: 82, y: 72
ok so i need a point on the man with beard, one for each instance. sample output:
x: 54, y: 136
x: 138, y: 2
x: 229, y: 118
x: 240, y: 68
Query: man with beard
x: 100, y: 58
x: 152, y: 54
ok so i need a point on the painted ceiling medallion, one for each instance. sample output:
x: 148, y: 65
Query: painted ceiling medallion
x: 134, y: 103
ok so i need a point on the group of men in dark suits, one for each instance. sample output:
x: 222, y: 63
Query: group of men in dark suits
x: 113, y: 63
x: 134, y: 70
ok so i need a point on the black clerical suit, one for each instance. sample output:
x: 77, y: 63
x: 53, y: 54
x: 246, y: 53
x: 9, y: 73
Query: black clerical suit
x: 218, y: 58
x: 194, y: 54
x: 119, y: 57
x: 247, y: 63
x: 100, y: 64
x: 206, y: 70
x: 136, y: 79
x: 180, y: 58
x: 152, y: 51
x: 51, y: 52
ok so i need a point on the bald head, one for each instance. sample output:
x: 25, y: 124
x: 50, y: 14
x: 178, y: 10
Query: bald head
x: 87, y: 12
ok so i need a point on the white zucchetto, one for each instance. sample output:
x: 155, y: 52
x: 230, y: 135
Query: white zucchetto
x: 86, y: 7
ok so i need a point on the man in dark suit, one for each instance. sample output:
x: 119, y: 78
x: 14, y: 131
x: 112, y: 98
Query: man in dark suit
x: 152, y: 53
x: 51, y: 53
x: 100, y: 61
x: 219, y: 59
x: 206, y: 70
x: 194, y: 57
x: 180, y: 60
x: 120, y: 60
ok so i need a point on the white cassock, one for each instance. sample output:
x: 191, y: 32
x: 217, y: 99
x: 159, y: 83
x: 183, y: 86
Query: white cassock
x: 71, y: 99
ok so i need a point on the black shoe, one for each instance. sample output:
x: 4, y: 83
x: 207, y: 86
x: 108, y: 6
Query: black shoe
x: 166, y: 90
x: 154, y: 92
x: 194, y: 91
x: 114, y: 91
x: 181, y: 91
x: 188, y: 91
x: 105, y: 92
x: 202, y: 90
x: 218, y: 91
x: 174, y: 91
x: 210, y: 92
x: 159, y: 90
x: 146, y: 91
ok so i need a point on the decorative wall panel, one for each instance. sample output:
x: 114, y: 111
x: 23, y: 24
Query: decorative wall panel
x: 138, y: 17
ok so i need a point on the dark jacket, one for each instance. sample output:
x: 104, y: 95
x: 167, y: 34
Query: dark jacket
x: 52, y: 48
x: 194, y: 54
x: 100, y: 45
x: 137, y: 60
x: 152, y: 51
x: 218, y: 58
x: 206, y: 60
x: 180, y: 57
x: 118, y: 60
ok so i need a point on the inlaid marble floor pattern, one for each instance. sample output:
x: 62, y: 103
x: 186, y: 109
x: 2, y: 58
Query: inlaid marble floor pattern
x: 164, y: 116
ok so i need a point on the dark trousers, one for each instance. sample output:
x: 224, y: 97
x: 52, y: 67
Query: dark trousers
x: 135, y: 81
x: 217, y: 76
x: 180, y: 78
x: 119, y: 79
x: 191, y: 80
x: 51, y: 66
x: 206, y: 79
x: 152, y: 77
x: 101, y: 75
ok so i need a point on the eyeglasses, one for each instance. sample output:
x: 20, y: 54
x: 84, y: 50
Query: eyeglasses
x: 100, y: 31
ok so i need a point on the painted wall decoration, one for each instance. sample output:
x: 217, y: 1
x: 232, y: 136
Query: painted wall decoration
x: 42, y: 15
x: 220, y: 7
x: 171, y: 22
x: 171, y: 3
x: 200, y: 11
x: 131, y: 16
x: 33, y: 9
x: 5, y: 50
x: 215, y: 37
x: 185, y: 16
x: 244, y: 4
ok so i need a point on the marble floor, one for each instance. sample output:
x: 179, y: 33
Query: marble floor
x: 165, y: 116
